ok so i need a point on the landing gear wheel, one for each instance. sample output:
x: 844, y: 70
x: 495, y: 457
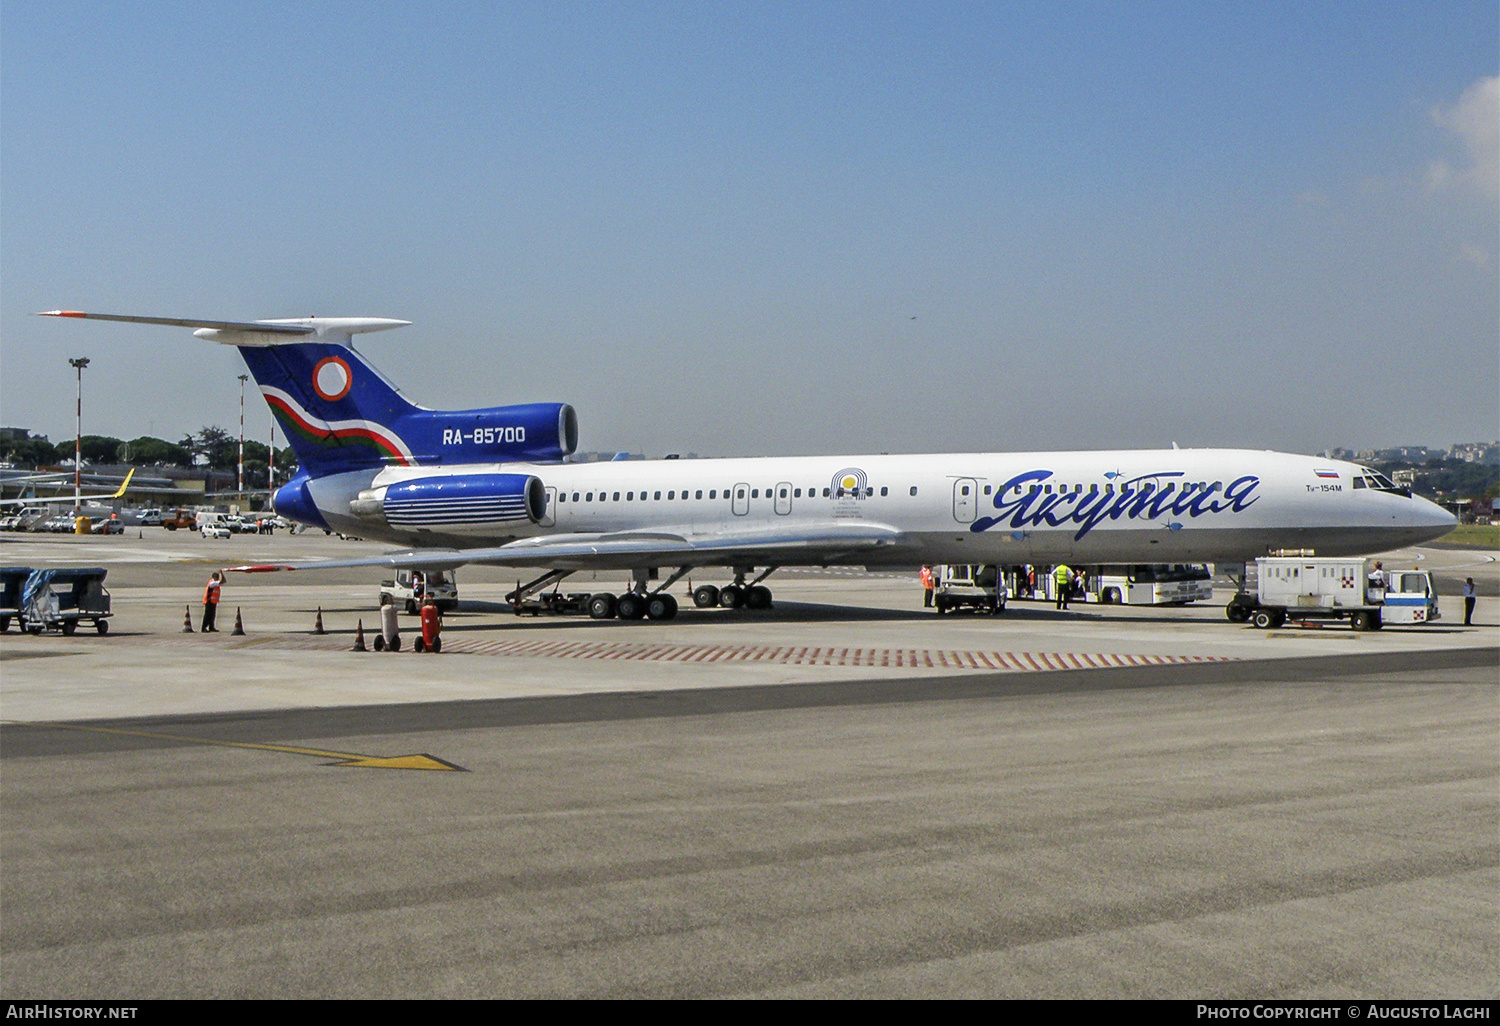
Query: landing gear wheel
x: 758, y: 597
x: 630, y: 607
x: 1236, y: 612
x: 705, y: 596
x: 601, y: 606
x: 661, y: 607
x: 731, y: 596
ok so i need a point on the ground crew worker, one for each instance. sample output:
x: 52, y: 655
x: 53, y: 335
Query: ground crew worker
x: 432, y: 627
x: 211, y: 601
x: 1471, y: 594
x: 927, y: 585
x: 390, y: 626
x: 1062, y: 581
x: 1377, y: 576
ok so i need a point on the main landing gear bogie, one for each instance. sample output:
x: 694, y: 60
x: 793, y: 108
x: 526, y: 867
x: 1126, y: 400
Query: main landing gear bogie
x: 754, y: 596
x: 659, y: 605
x: 632, y: 606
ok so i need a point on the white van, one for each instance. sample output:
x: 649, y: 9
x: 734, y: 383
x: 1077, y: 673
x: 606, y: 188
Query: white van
x: 213, y: 525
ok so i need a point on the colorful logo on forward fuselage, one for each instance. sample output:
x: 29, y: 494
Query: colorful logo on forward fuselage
x: 1024, y: 501
x: 850, y: 482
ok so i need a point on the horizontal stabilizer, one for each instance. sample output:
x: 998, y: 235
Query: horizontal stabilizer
x: 255, y: 333
x: 182, y: 322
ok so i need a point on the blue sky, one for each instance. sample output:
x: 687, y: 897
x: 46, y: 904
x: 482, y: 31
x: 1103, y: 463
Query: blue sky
x: 765, y: 228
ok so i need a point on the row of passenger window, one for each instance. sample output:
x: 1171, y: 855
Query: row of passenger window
x: 1094, y: 489
x: 713, y: 493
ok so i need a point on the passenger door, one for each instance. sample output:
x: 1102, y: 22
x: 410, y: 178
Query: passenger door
x: 965, y: 499
x: 783, y: 498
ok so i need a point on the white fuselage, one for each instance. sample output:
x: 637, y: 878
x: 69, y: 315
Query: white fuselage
x: 1156, y: 506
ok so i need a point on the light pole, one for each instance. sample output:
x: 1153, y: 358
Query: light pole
x: 78, y: 365
x: 243, y: 378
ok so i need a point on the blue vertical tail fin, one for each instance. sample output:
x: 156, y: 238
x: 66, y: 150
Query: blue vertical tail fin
x: 337, y: 411
x: 340, y: 414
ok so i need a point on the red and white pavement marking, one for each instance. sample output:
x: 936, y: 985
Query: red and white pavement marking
x: 786, y: 655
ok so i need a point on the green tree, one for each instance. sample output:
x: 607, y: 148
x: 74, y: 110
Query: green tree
x: 214, y: 446
x: 32, y: 453
x: 100, y: 449
x: 158, y: 452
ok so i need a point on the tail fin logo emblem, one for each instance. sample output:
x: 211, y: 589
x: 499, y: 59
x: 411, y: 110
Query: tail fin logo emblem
x: 331, y: 379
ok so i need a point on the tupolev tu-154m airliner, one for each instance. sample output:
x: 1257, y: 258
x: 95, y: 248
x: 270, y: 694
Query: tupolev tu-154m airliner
x: 492, y: 486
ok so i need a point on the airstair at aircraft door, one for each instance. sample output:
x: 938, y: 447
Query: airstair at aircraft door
x: 965, y: 499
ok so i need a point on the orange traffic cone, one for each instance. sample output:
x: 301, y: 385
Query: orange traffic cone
x: 359, y: 636
x: 239, y: 625
x: 318, y: 623
x: 187, y: 620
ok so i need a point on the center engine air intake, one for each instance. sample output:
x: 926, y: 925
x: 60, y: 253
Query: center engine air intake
x: 464, y: 500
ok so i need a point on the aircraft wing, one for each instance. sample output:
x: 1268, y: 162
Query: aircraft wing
x: 41, y: 500
x: 623, y: 549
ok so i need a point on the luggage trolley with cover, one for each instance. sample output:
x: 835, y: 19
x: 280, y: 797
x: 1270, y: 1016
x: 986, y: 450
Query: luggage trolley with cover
x: 12, y: 582
x: 59, y: 599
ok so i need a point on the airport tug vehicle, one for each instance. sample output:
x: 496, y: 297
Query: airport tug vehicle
x: 978, y: 587
x: 1304, y: 588
x: 404, y: 589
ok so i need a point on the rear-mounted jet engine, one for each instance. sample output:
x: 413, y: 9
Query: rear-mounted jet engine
x: 453, y: 503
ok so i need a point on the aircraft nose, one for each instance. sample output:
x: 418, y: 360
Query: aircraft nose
x: 1432, y: 519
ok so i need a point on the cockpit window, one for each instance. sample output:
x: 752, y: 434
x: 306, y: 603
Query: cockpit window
x: 1380, y: 483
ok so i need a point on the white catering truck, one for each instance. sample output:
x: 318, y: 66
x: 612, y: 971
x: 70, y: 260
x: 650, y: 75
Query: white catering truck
x: 1303, y: 588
